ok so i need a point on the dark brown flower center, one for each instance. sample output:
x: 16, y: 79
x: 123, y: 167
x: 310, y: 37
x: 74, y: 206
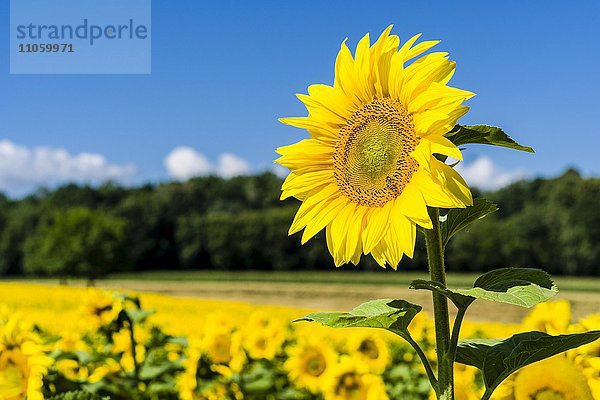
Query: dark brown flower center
x: 372, y: 162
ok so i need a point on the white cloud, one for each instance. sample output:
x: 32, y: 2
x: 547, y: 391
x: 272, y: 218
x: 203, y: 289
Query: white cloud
x: 484, y: 174
x: 22, y: 168
x: 280, y: 170
x: 184, y: 162
x: 231, y: 165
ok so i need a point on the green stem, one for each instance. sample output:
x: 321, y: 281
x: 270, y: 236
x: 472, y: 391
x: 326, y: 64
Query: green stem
x: 425, y: 361
x: 435, y: 258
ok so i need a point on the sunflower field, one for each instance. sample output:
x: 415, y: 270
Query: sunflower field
x: 75, y: 343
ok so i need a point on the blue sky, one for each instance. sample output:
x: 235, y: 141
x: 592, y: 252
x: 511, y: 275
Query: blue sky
x: 223, y: 72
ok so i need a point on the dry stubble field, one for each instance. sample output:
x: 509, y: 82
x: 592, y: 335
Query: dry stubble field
x: 335, y: 296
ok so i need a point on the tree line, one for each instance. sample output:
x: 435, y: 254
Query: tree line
x: 240, y: 224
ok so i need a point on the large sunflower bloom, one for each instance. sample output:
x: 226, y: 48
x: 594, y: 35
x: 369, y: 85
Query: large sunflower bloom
x: 368, y: 171
x: 553, y: 379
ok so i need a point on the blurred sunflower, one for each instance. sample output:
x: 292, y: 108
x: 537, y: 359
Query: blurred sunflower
x: 225, y: 350
x: 349, y: 381
x: 465, y: 387
x: 23, y: 361
x: 70, y: 341
x: 122, y: 347
x: 107, y: 368
x: 587, y: 358
x: 553, y: 317
x: 219, y: 321
x: 261, y: 320
x: 11, y: 383
x: 309, y: 360
x: 553, y: 379
x: 369, y: 350
x: 264, y: 343
x: 72, y: 370
x: 589, y: 323
x: 100, y: 307
x: 368, y: 170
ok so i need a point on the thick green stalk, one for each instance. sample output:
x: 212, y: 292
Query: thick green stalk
x: 435, y: 258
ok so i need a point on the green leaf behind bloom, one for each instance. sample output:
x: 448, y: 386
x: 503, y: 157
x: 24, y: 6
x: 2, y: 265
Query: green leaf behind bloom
x: 458, y: 219
x: 497, y: 359
x: 484, y: 134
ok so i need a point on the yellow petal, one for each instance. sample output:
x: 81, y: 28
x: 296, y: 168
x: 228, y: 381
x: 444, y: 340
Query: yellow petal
x: 296, y: 184
x: 454, y: 183
x: 339, y: 227
x: 432, y: 190
x: 419, y: 76
x: 306, y: 152
x: 412, y: 204
x: 396, y: 76
x: 353, y: 244
x: 377, y: 225
x: 405, y: 232
x: 317, y: 129
x: 378, y: 254
x: 362, y: 70
x: 330, y: 246
x: 312, y: 205
x: 423, y: 121
x: 437, y: 144
x: 379, y: 46
x: 320, y: 111
x: 323, y: 217
x: 344, y: 74
x: 420, y: 49
x: 442, y: 186
x: 438, y: 95
x: 405, y: 49
x: 443, y: 127
x: 332, y: 98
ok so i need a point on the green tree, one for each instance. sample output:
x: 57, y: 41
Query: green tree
x: 76, y: 242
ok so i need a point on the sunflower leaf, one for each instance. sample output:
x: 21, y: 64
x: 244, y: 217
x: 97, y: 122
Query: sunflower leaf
x: 484, y: 134
x: 458, y: 219
x: 388, y: 314
x: 497, y: 359
x: 523, y: 287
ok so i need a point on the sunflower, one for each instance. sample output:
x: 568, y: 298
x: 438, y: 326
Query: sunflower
x: 587, y: 358
x: 553, y: 317
x: 225, y: 351
x: 369, y: 350
x: 465, y: 388
x: 349, y: 381
x: 308, y: 362
x: 23, y: 361
x: 553, y: 379
x: 264, y: 343
x: 100, y: 307
x: 11, y: 386
x: 72, y: 369
x: 122, y: 347
x: 369, y: 169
